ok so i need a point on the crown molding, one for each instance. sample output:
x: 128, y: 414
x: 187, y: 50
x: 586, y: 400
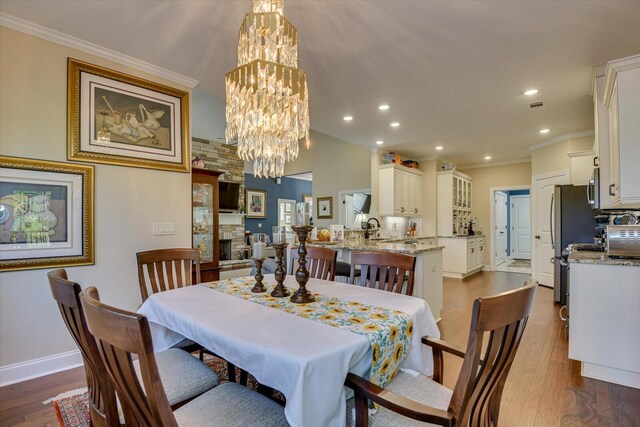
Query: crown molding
x: 561, y: 138
x: 597, y: 71
x: 94, y: 49
x: 490, y: 165
x: 613, y: 68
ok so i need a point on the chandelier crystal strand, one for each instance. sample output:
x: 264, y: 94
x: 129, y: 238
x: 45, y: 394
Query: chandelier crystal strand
x: 267, y: 106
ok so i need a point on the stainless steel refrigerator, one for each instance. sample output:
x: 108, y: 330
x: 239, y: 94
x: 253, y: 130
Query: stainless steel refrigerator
x: 573, y: 222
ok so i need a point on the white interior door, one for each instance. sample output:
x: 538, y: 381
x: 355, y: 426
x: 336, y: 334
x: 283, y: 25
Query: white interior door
x: 500, y: 201
x: 286, y: 210
x: 542, y: 217
x: 521, y: 226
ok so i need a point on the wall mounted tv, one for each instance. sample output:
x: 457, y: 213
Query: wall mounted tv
x: 229, y: 195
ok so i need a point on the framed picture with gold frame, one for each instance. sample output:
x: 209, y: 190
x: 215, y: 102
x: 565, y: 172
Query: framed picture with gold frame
x: 325, y: 207
x: 119, y: 119
x: 46, y: 214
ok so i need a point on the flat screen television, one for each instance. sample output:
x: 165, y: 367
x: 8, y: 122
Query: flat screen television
x: 229, y: 195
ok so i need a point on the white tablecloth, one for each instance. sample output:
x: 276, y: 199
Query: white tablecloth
x: 306, y: 360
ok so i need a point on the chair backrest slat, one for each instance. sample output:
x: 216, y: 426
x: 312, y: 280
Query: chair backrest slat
x: 164, y: 269
x: 321, y: 262
x: 102, y: 397
x: 120, y: 336
x: 385, y: 271
x: 500, y: 320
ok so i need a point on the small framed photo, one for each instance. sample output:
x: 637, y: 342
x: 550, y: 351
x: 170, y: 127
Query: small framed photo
x: 46, y: 214
x: 256, y: 204
x: 325, y: 207
x: 119, y: 119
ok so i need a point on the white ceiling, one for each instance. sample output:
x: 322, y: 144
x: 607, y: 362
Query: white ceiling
x: 453, y: 72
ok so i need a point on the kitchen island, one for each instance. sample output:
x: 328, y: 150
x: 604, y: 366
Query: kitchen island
x: 428, y: 273
x: 604, y: 316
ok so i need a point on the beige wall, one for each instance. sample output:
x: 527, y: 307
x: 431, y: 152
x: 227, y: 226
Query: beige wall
x: 33, y: 88
x: 554, y: 157
x: 483, y: 180
x: 337, y: 165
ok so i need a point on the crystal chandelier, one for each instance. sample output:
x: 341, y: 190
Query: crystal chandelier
x: 267, y: 107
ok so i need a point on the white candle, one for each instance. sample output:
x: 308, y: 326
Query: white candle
x: 259, y: 249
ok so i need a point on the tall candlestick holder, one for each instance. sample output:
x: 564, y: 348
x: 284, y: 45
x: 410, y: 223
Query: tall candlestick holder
x: 280, y: 290
x: 302, y: 295
x: 259, y: 286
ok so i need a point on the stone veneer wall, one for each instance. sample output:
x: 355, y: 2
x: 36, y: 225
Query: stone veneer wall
x: 224, y: 158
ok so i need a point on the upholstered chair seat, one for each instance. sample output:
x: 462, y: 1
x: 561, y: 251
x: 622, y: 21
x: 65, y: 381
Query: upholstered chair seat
x: 231, y: 404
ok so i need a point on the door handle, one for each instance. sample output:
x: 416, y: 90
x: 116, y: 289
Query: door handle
x: 551, y: 221
x: 566, y: 310
x: 611, y: 193
x: 538, y: 237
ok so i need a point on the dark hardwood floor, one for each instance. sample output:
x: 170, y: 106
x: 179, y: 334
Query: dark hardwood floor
x: 544, y: 388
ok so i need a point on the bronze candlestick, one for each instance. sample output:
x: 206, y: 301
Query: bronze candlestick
x: 302, y: 295
x: 259, y: 287
x: 280, y: 290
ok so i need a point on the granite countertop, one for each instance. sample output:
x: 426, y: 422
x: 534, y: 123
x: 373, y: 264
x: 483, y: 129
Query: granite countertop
x: 396, y: 247
x: 461, y: 236
x: 585, y: 257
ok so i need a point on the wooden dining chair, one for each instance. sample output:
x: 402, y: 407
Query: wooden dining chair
x: 161, y: 270
x: 475, y: 400
x: 175, y: 366
x: 321, y: 262
x: 391, y: 272
x: 102, y: 397
x: 122, y: 335
x: 164, y: 269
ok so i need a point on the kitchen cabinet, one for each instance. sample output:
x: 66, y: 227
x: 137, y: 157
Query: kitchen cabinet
x: 462, y: 256
x: 581, y: 167
x: 454, y: 202
x: 601, y: 134
x: 205, y: 222
x: 400, y: 191
x: 621, y: 95
x: 604, y: 314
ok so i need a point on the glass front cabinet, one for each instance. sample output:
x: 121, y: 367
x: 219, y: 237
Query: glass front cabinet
x: 204, y: 203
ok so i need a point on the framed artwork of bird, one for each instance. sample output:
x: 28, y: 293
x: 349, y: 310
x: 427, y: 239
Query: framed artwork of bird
x: 121, y: 119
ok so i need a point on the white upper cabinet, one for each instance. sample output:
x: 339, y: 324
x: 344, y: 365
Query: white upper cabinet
x: 601, y: 134
x: 622, y: 98
x: 454, y: 202
x: 400, y: 191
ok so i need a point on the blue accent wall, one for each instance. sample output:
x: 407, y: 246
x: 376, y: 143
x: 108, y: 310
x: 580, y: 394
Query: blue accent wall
x: 289, y: 188
x: 509, y: 194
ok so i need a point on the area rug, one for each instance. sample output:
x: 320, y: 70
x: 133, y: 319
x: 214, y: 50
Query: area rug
x: 520, y: 263
x: 72, y: 407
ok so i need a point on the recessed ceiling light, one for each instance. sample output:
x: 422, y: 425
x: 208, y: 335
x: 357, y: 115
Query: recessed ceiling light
x: 487, y: 157
x: 383, y: 107
x: 347, y: 118
x: 380, y: 142
x: 531, y: 92
x: 544, y: 130
x: 394, y: 124
x: 439, y: 147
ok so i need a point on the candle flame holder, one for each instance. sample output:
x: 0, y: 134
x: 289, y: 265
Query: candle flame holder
x: 280, y: 290
x: 302, y: 295
x: 259, y: 287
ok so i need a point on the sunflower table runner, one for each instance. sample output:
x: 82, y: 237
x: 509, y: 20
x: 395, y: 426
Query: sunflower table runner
x: 388, y: 331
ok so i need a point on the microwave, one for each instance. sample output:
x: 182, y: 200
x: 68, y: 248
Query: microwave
x: 593, y: 189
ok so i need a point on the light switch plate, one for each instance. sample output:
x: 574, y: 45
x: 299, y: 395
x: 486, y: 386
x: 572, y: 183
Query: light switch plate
x: 164, y: 228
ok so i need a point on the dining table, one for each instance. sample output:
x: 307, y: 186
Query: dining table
x: 305, y: 358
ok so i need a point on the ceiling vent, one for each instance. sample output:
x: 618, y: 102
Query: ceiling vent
x: 536, y: 104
